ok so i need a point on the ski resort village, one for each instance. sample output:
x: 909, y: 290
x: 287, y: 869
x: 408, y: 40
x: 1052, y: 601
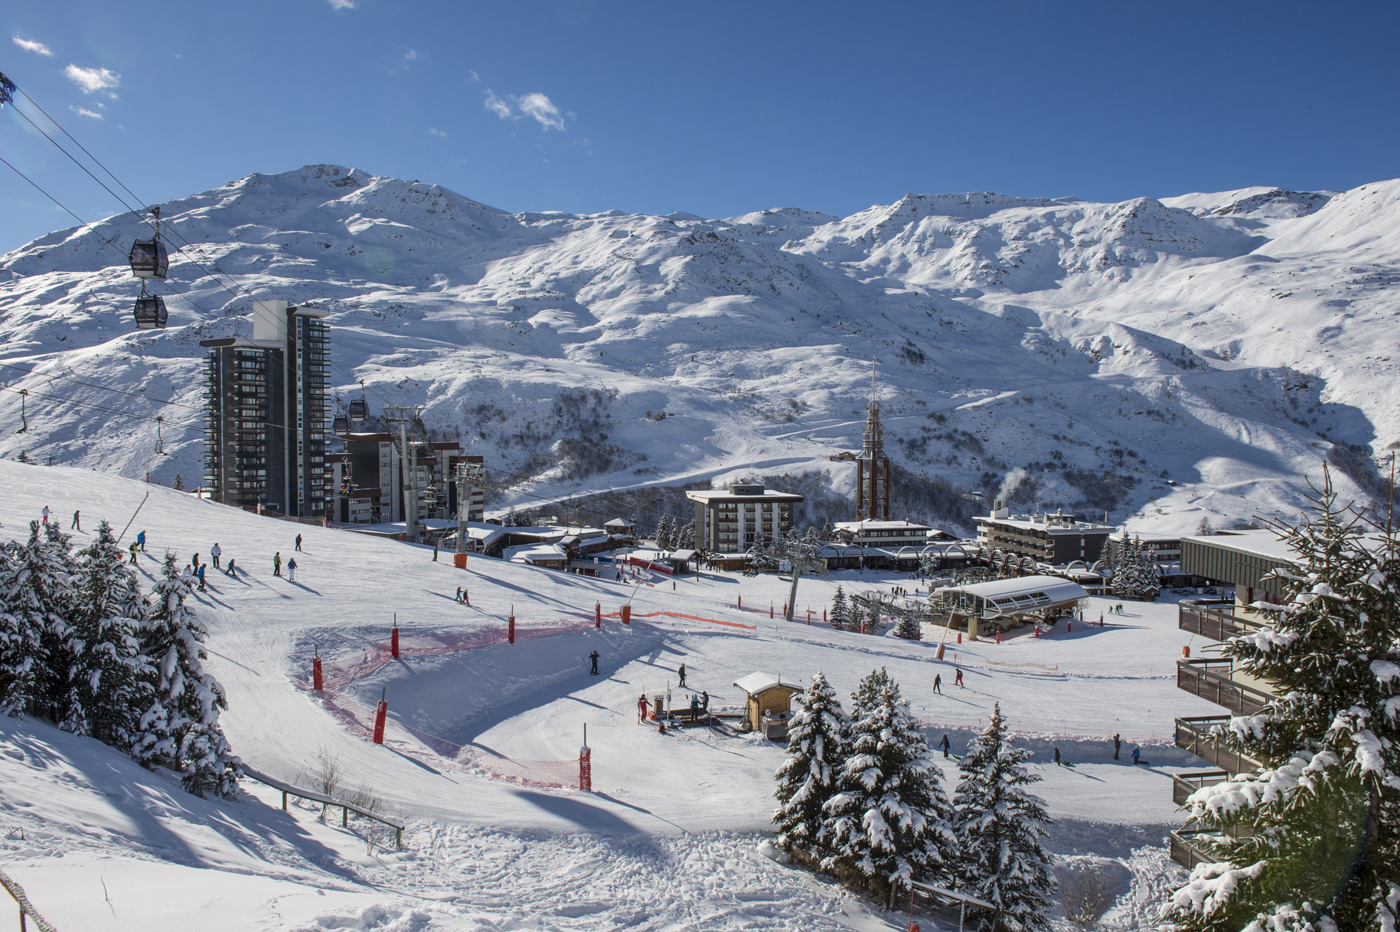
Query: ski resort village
x: 375, y: 559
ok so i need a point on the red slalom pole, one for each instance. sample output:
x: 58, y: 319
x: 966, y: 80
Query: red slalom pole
x: 394, y: 643
x: 316, y: 674
x: 510, y: 626
x: 379, y: 713
x: 585, y: 765
x: 597, y: 614
x: 741, y: 602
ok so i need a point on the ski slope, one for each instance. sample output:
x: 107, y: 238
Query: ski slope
x: 670, y: 836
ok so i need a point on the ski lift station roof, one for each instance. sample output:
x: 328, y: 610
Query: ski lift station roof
x: 1004, y: 597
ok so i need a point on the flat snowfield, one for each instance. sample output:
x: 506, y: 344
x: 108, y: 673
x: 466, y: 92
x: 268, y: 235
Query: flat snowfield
x: 484, y: 736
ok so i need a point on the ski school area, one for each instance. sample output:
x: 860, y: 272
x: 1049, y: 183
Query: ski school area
x: 526, y: 783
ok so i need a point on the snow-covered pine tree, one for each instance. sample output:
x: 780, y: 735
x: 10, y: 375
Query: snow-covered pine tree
x: 1000, y: 828
x: 807, y: 778
x: 1133, y: 573
x: 108, y: 677
x: 180, y: 729
x: 35, y: 592
x: 840, y: 616
x: 889, y: 822
x: 908, y: 627
x: 1322, y: 817
x: 664, y: 532
x: 685, y: 537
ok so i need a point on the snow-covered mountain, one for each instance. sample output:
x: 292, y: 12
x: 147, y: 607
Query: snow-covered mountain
x: 1061, y: 352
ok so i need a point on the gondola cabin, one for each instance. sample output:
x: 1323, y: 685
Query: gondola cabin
x: 150, y: 312
x: 359, y: 410
x: 149, y: 258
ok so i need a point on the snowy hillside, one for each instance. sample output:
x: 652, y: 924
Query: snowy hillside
x: 670, y: 837
x: 1070, y: 354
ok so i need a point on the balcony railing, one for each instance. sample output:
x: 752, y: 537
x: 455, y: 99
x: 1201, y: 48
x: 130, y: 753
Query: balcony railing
x: 1201, y: 736
x: 1212, y: 622
x: 1206, y: 679
x: 1184, y: 784
x: 1184, y: 849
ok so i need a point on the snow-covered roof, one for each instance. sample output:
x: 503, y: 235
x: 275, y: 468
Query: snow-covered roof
x: 530, y: 553
x: 1023, y: 594
x: 758, y: 683
x: 1255, y: 543
x: 872, y: 525
x: 683, y: 555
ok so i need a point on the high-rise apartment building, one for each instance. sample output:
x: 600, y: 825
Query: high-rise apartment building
x: 267, y: 412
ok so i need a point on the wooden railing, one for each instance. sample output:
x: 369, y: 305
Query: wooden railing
x: 1184, y: 850
x: 1206, y: 679
x: 26, y: 909
x: 1213, y: 622
x: 1201, y: 738
x: 345, y: 808
x: 1184, y: 784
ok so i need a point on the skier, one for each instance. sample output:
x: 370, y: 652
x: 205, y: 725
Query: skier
x: 593, y: 657
x: 944, y: 745
x: 214, y: 553
x: 277, y: 563
x: 76, y: 526
x: 298, y: 543
x: 231, y: 571
x: 200, y: 573
x: 194, y: 561
x: 957, y: 679
x: 1117, y: 745
x: 1057, y: 757
x: 141, y: 541
x: 681, y: 671
x: 642, y: 709
x: 938, y: 683
x: 133, y: 551
x: 292, y: 570
x: 1137, y: 754
x: 46, y: 514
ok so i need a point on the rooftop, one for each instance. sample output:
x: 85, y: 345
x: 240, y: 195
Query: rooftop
x: 1263, y: 543
x: 730, y: 495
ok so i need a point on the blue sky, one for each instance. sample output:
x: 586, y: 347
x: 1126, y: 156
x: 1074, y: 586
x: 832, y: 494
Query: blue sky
x: 713, y: 108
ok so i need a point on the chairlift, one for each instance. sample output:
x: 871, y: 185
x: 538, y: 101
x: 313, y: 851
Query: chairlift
x: 150, y: 311
x: 23, y: 417
x: 149, y: 258
x: 7, y: 90
x: 160, y: 441
x: 430, y: 495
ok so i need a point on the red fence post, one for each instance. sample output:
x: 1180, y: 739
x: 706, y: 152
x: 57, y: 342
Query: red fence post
x: 394, y: 643
x: 1069, y: 627
x: 998, y: 637
x: 626, y: 614
x: 380, y: 712
x: 585, y: 769
x: 316, y: 674
x: 823, y: 616
x: 510, y: 629
x: 770, y: 609
x: 597, y: 614
x: 741, y: 602
x: 959, y: 637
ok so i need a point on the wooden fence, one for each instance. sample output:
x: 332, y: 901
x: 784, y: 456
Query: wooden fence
x: 26, y: 909
x: 345, y: 808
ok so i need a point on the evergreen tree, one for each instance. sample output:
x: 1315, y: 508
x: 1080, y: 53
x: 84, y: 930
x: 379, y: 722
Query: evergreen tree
x: 1000, y: 828
x: 840, y: 616
x: 1321, y: 820
x: 665, y: 531
x: 826, y: 533
x: 35, y: 593
x: 889, y: 822
x: 908, y: 627
x: 179, y: 483
x: 685, y: 537
x: 1134, y: 576
x: 807, y: 778
x: 108, y: 676
x: 180, y: 729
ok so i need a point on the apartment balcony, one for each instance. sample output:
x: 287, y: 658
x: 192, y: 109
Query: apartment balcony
x: 1210, y: 679
x: 1186, y: 851
x: 1184, y: 784
x: 1204, y: 736
x: 1213, y: 620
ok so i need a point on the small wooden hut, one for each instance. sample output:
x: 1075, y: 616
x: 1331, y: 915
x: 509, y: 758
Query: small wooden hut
x: 769, y: 703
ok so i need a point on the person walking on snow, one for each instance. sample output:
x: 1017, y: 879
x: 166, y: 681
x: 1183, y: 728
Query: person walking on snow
x: 232, y: 570
x: 1137, y: 754
x: 957, y: 678
x: 292, y: 570
x: 681, y: 671
x: 214, y: 553
x: 277, y: 563
x: 938, y: 683
x: 944, y: 745
x: 298, y: 543
x: 75, y: 526
x: 1057, y: 757
x: 642, y: 709
x: 593, y: 658
x: 133, y: 551
x: 141, y: 541
x: 46, y: 514
x: 705, y: 701
x: 1117, y: 745
x: 200, y: 573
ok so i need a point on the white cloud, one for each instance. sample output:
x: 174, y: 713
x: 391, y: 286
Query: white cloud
x: 84, y: 111
x: 342, y: 4
x: 29, y: 45
x: 434, y: 131
x: 535, y: 105
x: 410, y: 55
x: 91, y: 80
x: 473, y: 77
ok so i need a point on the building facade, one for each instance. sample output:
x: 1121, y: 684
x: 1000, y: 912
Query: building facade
x: 369, y: 479
x: 266, y: 413
x: 733, y: 520
x: 1057, y: 539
